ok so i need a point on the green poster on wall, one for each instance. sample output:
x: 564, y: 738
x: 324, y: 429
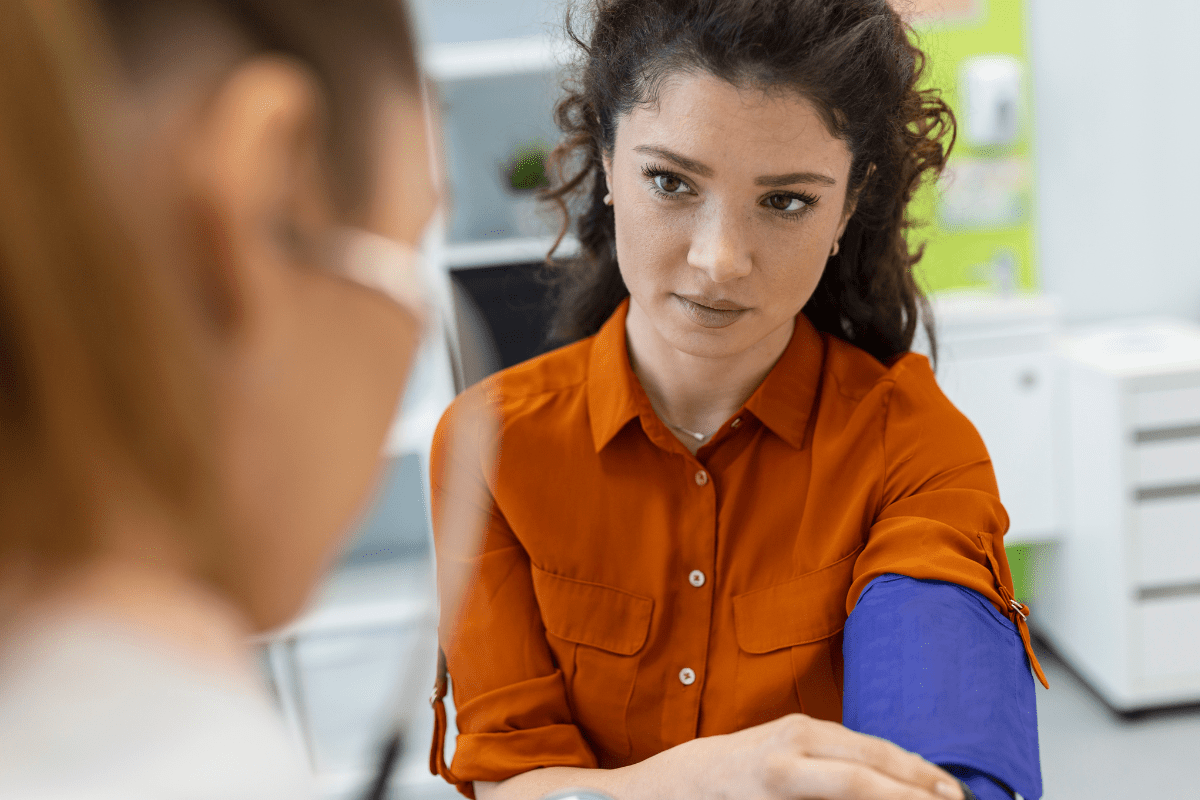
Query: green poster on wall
x: 977, y: 220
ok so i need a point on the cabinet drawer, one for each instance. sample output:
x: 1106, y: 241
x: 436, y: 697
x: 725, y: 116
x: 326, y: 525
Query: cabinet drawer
x: 1170, y: 462
x: 1170, y: 637
x: 1169, y: 408
x: 1167, y: 541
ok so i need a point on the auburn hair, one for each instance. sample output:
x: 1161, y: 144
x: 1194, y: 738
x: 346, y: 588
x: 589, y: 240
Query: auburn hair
x: 100, y: 356
x: 95, y: 357
x: 855, y: 60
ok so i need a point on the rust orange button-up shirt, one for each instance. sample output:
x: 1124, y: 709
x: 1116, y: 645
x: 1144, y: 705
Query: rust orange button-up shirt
x: 630, y: 596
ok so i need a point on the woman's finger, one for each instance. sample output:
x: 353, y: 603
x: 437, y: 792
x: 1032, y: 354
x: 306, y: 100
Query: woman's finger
x: 825, y: 740
x: 836, y: 779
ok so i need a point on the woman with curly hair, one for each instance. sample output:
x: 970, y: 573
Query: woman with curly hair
x: 737, y: 536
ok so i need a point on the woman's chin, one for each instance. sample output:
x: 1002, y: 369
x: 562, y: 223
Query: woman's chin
x: 697, y: 333
x: 748, y: 334
x: 706, y: 342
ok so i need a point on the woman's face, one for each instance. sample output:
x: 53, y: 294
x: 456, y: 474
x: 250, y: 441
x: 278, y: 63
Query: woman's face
x: 311, y: 373
x: 728, y: 202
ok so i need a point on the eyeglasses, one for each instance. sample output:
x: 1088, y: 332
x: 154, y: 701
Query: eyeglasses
x: 386, y: 266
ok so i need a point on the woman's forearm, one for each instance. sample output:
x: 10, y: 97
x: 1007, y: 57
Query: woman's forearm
x: 652, y: 779
x: 793, y: 756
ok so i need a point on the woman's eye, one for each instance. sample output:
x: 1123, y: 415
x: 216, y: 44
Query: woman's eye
x: 669, y: 184
x: 783, y: 202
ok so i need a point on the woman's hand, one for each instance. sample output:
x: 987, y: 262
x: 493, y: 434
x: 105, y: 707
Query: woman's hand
x: 792, y: 758
x: 800, y: 757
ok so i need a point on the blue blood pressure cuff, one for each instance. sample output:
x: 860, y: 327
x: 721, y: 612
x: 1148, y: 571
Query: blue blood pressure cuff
x: 935, y: 668
x: 968, y: 794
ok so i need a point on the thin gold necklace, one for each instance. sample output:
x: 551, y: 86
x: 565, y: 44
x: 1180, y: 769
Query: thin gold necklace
x: 699, y: 437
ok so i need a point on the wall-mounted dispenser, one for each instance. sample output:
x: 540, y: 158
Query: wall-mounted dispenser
x: 990, y: 86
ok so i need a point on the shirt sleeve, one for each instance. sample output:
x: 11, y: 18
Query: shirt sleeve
x: 933, y: 667
x: 511, y: 701
x: 939, y: 515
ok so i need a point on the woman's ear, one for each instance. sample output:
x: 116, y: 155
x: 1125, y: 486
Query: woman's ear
x: 253, y: 178
x: 606, y: 173
x: 852, y: 202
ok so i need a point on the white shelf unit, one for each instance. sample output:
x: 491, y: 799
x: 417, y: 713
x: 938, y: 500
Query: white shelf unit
x: 1119, y: 596
x: 495, y: 98
x: 503, y: 252
x: 495, y: 58
x: 996, y: 363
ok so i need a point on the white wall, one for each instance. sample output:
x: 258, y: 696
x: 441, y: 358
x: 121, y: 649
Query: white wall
x: 1117, y: 116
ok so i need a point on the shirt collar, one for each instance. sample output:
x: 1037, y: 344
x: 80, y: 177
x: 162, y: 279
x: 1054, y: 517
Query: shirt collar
x: 613, y: 389
x: 783, y: 402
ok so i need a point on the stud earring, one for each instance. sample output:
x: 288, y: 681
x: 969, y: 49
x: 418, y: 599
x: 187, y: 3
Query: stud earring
x: 608, y: 199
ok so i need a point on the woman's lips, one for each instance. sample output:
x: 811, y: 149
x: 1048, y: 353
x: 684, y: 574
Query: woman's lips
x: 697, y: 309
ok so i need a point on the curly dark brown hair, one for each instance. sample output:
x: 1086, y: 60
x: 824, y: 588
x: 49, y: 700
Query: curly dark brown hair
x: 855, y: 60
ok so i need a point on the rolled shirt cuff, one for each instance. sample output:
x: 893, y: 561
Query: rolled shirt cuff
x: 499, y: 756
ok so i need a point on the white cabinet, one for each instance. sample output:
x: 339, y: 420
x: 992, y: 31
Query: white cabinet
x: 1166, y: 650
x: 1119, y: 595
x: 1167, y: 462
x: 996, y: 363
x: 1166, y: 540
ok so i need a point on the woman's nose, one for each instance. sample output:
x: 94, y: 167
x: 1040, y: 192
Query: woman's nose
x: 720, y: 245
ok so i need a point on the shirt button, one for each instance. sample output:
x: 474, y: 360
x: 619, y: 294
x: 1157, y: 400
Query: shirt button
x: 687, y: 676
x: 696, y: 578
x: 701, y: 478
x: 736, y: 422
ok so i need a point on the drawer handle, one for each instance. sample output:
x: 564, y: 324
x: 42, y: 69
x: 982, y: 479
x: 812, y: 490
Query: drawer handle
x: 1167, y: 492
x: 1168, y: 592
x: 1167, y: 434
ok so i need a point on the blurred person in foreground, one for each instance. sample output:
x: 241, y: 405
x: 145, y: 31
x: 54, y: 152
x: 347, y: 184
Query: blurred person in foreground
x: 207, y: 318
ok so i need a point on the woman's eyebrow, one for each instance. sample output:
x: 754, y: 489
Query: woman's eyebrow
x: 704, y: 171
x: 691, y: 165
x: 795, y: 177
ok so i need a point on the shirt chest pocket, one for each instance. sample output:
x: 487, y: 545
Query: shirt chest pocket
x: 792, y: 633
x: 595, y: 633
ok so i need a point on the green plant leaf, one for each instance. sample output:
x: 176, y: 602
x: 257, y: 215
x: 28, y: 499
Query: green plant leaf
x: 527, y: 169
